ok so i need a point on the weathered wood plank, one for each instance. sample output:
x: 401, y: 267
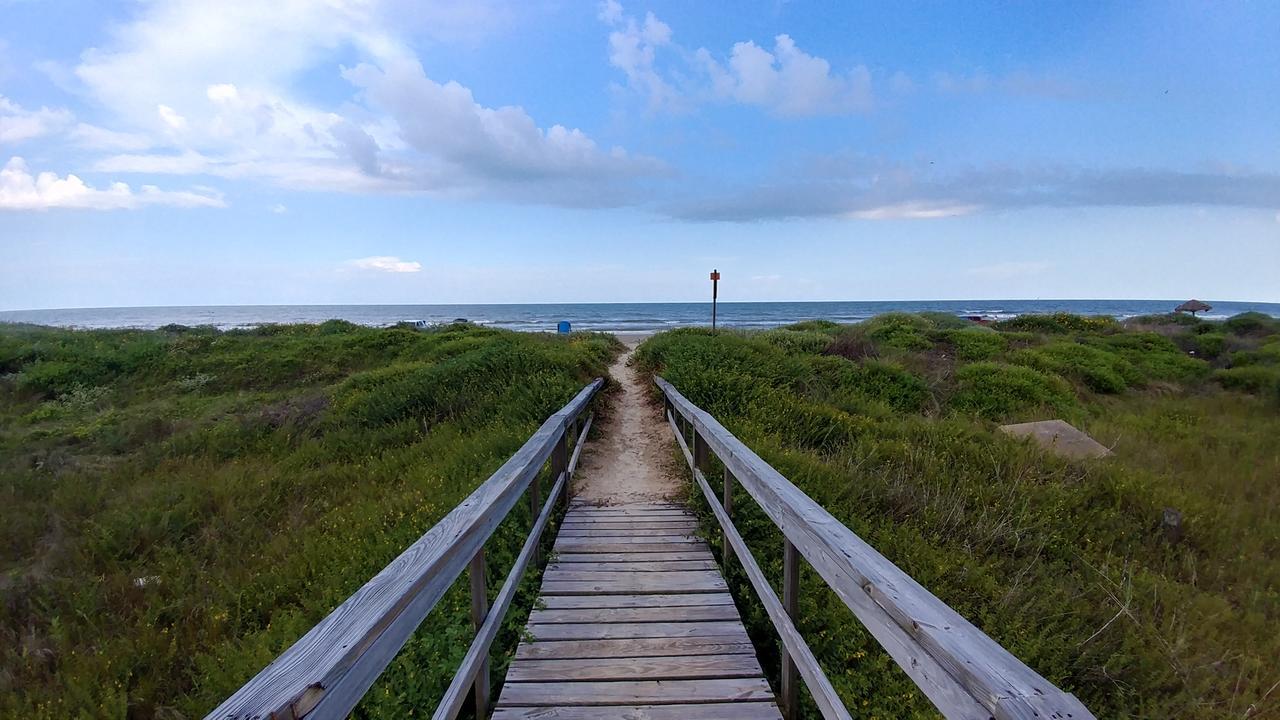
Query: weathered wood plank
x: 736, y: 643
x: 565, y: 602
x: 713, y: 711
x: 964, y: 672
x: 624, y: 532
x: 665, y: 667
x: 620, y: 524
x: 634, y: 566
x: 618, y: 631
x: 639, y: 584
x: 632, y: 558
x: 679, y: 613
x: 580, y: 545
x: 637, y: 692
x: 679, y: 578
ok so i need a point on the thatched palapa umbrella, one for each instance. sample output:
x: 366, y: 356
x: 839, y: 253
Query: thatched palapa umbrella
x: 1193, y: 307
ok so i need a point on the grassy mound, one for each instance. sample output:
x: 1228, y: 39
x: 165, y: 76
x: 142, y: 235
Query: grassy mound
x: 179, y: 506
x: 1065, y: 564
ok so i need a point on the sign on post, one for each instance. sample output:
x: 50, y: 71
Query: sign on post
x: 715, y: 287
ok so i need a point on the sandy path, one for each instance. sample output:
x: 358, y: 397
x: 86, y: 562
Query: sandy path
x: 630, y: 460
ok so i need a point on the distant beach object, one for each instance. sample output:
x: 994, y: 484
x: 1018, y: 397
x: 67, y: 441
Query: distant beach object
x: 1193, y: 307
x: 1060, y: 438
x: 563, y: 327
x: 715, y: 290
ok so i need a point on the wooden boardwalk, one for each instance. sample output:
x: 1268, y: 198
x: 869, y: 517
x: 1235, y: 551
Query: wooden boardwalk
x: 635, y: 621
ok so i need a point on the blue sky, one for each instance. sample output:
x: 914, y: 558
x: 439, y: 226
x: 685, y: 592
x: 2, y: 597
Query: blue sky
x: 388, y: 151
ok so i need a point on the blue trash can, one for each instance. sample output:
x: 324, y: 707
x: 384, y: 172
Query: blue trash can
x: 563, y: 327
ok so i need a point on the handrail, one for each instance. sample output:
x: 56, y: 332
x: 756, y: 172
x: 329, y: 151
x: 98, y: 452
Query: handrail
x: 326, y: 672
x: 959, y: 668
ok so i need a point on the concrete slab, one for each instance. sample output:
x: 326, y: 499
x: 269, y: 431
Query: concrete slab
x: 1060, y: 438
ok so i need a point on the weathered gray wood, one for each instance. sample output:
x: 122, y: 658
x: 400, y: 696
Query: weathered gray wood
x: 326, y: 672
x: 564, y: 602
x: 964, y: 672
x: 636, y: 647
x: 790, y: 700
x: 626, y: 557
x: 712, y: 711
x: 624, y: 532
x: 580, y: 439
x: 678, y: 578
x: 570, y: 546
x: 824, y: 695
x: 637, y: 692
x: 479, y: 580
x: 680, y: 613
x: 727, y: 502
x: 636, y: 584
x: 618, y: 631
x: 653, y: 668
x: 636, y: 566
x: 478, y: 653
x: 628, y: 522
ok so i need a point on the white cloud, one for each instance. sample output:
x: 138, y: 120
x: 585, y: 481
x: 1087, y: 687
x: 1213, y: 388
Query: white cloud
x: 213, y: 86
x: 459, y: 139
x: 20, y: 190
x: 171, y: 117
x: 386, y: 263
x: 786, y: 81
x: 97, y: 138
x: 915, y: 211
x: 633, y: 50
x: 18, y: 124
x: 279, y: 209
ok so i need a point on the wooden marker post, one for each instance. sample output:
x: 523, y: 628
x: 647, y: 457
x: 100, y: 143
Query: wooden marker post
x: 715, y: 290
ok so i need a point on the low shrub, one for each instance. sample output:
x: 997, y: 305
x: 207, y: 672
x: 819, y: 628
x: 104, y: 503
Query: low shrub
x: 1154, y: 356
x: 1060, y: 324
x: 976, y: 344
x: 1256, y: 379
x: 1100, y: 370
x: 946, y: 320
x: 903, y: 331
x: 822, y: 326
x: 996, y: 391
x: 1173, y: 318
x: 797, y: 342
x: 1252, y: 324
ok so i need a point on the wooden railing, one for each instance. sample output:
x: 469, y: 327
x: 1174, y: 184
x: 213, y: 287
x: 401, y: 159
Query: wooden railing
x: 325, y: 673
x: 965, y: 673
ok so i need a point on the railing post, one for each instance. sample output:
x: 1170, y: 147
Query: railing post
x: 790, y: 603
x: 727, y: 503
x: 559, y: 464
x: 701, y: 453
x: 479, y: 611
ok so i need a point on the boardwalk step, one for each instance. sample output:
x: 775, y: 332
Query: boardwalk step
x: 634, y: 622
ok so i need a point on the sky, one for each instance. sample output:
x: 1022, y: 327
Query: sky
x: 182, y: 152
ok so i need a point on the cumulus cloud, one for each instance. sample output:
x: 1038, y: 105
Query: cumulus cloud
x: 21, y: 190
x: 386, y: 263
x: 785, y: 80
x: 212, y: 86
x: 18, y: 123
x: 864, y: 189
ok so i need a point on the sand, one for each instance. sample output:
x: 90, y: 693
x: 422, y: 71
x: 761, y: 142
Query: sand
x: 630, y: 460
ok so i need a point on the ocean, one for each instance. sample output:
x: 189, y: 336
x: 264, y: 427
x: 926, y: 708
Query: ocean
x: 612, y: 317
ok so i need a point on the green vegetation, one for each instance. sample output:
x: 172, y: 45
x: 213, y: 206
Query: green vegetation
x: 179, y: 506
x: 891, y: 427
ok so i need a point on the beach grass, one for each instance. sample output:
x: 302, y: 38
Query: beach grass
x: 180, y: 505
x: 891, y: 426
